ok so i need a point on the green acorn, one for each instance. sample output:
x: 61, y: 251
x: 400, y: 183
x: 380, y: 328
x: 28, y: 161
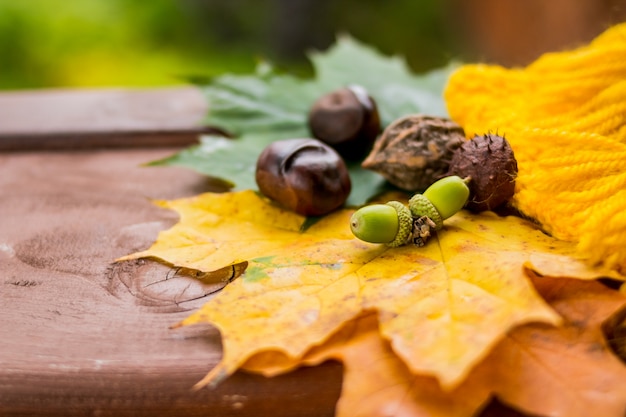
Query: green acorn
x: 395, y: 224
x: 389, y: 223
x: 441, y: 200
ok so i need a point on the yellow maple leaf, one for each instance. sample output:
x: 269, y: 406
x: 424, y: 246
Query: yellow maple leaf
x: 312, y: 290
x: 443, y: 307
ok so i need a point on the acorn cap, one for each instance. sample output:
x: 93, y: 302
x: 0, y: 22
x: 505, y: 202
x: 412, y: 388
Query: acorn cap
x: 421, y: 206
x: 405, y: 224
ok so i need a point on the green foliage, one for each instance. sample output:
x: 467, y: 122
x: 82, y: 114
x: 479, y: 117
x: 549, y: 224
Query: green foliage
x: 46, y: 43
x: 114, y: 42
x: 270, y: 106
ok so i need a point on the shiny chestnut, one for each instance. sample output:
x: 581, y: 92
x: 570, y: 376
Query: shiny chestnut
x: 346, y: 119
x: 303, y: 175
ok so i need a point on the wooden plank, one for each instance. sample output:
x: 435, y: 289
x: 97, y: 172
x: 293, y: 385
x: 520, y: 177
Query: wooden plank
x: 77, y: 119
x: 81, y: 335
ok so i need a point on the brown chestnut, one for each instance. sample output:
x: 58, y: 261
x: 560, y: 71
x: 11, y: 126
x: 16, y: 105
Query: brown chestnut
x: 304, y: 175
x: 346, y: 119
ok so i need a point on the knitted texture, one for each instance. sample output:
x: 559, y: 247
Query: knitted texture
x: 565, y: 118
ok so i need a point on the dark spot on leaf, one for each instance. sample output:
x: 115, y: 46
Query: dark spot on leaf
x: 614, y: 330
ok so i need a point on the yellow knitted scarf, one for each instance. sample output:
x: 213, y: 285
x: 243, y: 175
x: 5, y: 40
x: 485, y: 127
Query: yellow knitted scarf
x: 565, y: 118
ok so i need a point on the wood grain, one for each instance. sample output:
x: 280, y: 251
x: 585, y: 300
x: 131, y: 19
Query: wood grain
x: 88, y: 119
x: 81, y: 335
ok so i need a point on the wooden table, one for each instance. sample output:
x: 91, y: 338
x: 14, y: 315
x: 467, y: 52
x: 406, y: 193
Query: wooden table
x: 80, y: 334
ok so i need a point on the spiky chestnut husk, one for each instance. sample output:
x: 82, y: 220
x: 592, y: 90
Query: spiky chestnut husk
x: 414, y: 151
x: 389, y: 223
x: 490, y: 163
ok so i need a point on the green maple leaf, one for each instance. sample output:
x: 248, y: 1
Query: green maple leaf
x: 268, y: 106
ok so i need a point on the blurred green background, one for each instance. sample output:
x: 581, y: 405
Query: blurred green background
x: 76, y: 43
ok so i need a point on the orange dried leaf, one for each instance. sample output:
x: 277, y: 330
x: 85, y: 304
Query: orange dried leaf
x: 376, y: 382
x: 538, y: 369
x: 565, y: 371
x: 443, y: 307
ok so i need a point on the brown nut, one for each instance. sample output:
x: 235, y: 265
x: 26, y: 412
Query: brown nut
x: 303, y: 175
x: 489, y: 162
x: 346, y: 119
x: 414, y: 151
